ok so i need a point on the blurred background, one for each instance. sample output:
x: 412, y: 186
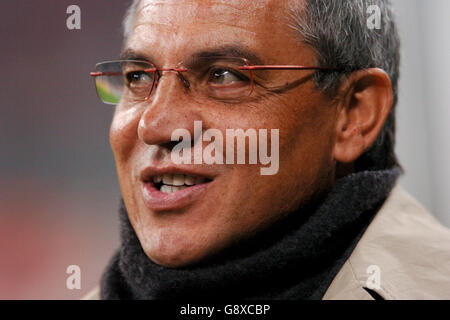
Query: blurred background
x: 58, y: 187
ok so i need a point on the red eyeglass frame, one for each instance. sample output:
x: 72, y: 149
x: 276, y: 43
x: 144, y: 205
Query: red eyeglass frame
x: 248, y: 66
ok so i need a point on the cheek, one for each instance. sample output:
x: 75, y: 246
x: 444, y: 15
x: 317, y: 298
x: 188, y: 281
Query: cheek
x: 123, y: 140
x: 308, y: 126
x: 123, y: 133
x: 306, y: 144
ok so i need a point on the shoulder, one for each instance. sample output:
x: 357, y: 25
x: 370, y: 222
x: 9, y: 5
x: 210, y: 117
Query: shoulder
x: 403, y: 254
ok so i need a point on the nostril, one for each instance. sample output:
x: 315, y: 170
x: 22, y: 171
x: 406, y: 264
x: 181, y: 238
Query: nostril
x: 169, y: 145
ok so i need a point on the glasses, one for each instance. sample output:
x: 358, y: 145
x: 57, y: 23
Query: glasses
x: 223, y: 79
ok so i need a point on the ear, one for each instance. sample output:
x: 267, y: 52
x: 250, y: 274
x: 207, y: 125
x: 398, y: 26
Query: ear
x: 366, y: 100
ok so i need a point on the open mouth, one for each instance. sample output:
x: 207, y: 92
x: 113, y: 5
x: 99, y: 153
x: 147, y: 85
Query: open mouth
x: 170, y: 183
x: 173, y: 190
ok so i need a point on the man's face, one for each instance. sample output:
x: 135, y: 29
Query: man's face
x: 186, y: 226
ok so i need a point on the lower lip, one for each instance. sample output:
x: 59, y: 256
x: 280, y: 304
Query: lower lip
x: 157, y: 200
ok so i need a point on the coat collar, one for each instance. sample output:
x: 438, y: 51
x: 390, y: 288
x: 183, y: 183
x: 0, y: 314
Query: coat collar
x: 408, y: 250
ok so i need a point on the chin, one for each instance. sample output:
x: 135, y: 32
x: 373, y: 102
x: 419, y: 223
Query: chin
x: 172, y: 251
x: 171, y: 259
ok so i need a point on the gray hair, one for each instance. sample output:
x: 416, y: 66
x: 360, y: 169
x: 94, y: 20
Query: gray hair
x: 337, y: 31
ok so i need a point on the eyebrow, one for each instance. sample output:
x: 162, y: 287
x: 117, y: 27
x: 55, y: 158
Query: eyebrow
x: 237, y: 51
x: 130, y: 54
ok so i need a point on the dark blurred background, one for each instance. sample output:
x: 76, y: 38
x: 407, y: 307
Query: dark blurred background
x: 58, y: 187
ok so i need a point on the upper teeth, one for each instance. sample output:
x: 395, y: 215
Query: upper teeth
x: 175, y: 182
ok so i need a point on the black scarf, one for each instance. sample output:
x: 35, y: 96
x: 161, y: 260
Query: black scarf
x: 294, y: 259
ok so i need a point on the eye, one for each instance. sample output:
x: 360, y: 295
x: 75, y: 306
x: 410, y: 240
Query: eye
x: 139, y: 78
x: 225, y: 77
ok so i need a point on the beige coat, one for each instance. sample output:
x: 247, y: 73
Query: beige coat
x: 404, y: 254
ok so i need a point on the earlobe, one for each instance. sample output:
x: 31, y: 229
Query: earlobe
x: 365, y: 104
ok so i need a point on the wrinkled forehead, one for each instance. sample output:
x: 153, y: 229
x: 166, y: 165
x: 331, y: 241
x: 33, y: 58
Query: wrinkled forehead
x: 175, y: 13
x: 176, y: 27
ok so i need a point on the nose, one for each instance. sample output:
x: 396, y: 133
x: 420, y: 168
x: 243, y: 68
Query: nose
x: 168, y: 109
x: 179, y: 71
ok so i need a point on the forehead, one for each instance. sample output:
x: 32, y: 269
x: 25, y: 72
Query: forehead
x: 171, y: 29
x: 237, y: 12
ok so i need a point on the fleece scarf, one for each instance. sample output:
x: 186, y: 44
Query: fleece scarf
x: 296, y: 258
